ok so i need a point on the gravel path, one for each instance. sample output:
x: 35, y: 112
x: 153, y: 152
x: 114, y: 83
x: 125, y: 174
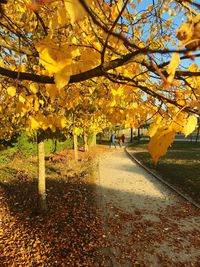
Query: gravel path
x: 146, y: 223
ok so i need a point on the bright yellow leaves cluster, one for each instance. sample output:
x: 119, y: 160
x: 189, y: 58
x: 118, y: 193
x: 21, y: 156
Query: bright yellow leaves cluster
x: 40, y: 121
x: 75, y: 10
x: 11, y: 90
x: 63, y: 61
x: 163, y: 135
x: 56, y: 60
x: 189, y: 33
x: 171, y: 68
x: 160, y: 142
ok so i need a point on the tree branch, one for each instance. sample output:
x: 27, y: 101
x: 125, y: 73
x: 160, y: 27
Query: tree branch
x: 92, y: 73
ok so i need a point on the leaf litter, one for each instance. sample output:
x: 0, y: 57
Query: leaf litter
x: 74, y: 232
x: 70, y: 234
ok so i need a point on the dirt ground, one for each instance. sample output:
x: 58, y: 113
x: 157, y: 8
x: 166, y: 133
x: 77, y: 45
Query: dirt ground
x: 146, y: 223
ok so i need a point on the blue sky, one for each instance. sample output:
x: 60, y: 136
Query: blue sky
x: 178, y: 19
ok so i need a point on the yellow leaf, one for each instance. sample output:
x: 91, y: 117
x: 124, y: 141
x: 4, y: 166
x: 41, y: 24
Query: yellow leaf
x: 179, y: 121
x: 23, y: 68
x: 171, y: 68
x: 75, y: 10
x: 36, y: 105
x: 34, y: 87
x: 2, y: 63
x: 134, y: 105
x: 53, y: 23
x: 33, y: 123
x: 11, y: 90
x: 52, y: 91
x: 152, y: 130
x: 77, y: 131
x: 190, y: 126
x: 193, y: 67
x: 62, y: 16
x: 160, y: 142
x: 21, y: 99
x: 61, y: 122
x: 62, y: 77
x: 52, y: 57
x: 41, y: 102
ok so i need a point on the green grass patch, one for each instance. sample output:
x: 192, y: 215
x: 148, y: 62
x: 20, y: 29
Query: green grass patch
x: 180, y: 166
x: 25, y: 147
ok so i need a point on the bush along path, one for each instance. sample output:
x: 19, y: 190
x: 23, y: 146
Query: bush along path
x: 145, y: 222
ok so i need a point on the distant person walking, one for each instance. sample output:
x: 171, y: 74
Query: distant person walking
x: 120, y: 141
x: 112, y: 140
x: 123, y: 138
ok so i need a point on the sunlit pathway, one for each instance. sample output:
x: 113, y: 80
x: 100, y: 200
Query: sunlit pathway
x: 146, y: 223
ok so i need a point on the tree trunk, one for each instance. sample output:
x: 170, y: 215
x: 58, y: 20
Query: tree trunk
x: 197, y: 136
x: 41, y: 177
x: 93, y: 142
x: 75, y: 147
x: 85, y: 142
x: 131, y: 140
x: 139, y: 135
x: 55, y: 146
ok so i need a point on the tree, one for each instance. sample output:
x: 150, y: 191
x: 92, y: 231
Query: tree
x: 125, y: 46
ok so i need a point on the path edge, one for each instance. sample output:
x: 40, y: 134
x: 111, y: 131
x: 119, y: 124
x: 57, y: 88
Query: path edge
x: 157, y: 176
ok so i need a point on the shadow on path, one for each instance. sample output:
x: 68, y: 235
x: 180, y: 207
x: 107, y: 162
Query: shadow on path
x: 72, y: 233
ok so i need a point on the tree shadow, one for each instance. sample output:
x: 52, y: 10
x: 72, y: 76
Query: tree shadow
x: 66, y: 236
x: 73, y: 232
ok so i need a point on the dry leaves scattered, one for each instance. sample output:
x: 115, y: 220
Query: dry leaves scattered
x: 70, y: 234
x: 141, y: 238
x: 73, y: 232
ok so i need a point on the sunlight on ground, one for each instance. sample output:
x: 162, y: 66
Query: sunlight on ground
x: 125, y: 180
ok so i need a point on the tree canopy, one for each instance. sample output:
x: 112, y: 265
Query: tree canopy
x: 121, y: 61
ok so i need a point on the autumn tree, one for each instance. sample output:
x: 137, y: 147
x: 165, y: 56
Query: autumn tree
x: 145, y: 55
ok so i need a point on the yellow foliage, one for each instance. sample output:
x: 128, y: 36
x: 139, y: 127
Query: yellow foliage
x: 190, y: 125
x: 11, y: 90
x: 52, y: 57
x: 36, y: 105
x: 62, y: 16
x: 193, y: 67
x: 153, y: 129
x: 52, y: 91
x: 160, y: 142
x: 75, y: 10
x: 34, y: 87
x: 62, y: 77
x: 184, y: 124
x: 171, y: 68
x: 189, y: 33
x: 33, y: 123
x: 21, y: 99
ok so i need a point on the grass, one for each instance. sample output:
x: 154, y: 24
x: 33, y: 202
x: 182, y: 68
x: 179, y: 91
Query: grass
x: 180, y: 166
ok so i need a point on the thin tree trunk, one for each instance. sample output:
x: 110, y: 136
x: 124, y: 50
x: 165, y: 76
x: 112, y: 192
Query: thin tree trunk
x: 41, y: 177
x: 75, y: 147
x: 139, y: 135
x: 55, y: 146
x: 93, y: 141
x: 131, y: 135
x: 197, y: 136
x: 85, y: 142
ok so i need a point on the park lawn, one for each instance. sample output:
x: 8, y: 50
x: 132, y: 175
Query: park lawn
x: 180, y: 166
